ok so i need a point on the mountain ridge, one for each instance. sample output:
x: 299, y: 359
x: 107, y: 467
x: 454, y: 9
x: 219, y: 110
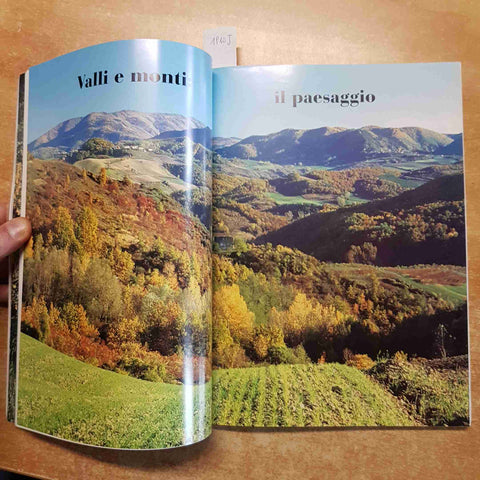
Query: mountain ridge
x: 203, y: 136
x: 114, y: 126
x: 333, y: 146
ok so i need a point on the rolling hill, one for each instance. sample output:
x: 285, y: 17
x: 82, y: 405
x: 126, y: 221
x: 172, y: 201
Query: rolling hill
x: 336, y: 146
x: 121, y: 212
x: 69, y: 399
x: 138, y: 171
x: 393, y: 226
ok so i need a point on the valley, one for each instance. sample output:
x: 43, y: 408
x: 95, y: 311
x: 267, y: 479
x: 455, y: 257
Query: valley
x: 336, y: 252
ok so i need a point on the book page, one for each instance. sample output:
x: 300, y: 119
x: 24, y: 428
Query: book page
x: 340, y: 289
x: 115, y: 331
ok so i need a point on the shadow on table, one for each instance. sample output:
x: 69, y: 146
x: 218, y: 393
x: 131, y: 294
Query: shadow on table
x: 170, y: 457
x: 12, y: 476
x: 132, y: 458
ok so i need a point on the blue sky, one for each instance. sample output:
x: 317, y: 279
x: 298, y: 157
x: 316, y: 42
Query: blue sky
x: 55, y: 95
x: 424, y: 95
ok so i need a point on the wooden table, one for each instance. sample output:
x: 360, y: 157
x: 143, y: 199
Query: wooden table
x: 269, y: 32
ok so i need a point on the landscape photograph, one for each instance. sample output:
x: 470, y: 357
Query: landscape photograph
x: 339, y: 267
x: 115, y: 342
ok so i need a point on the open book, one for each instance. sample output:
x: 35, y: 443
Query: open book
x: 332, y: 291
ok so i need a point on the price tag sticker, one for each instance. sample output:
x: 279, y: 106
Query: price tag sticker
x: 221, y: 44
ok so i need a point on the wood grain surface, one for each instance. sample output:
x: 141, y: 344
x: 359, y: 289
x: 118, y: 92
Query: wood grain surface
x: 269, y: 32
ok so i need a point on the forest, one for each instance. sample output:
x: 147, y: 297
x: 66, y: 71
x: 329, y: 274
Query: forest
x: 109, y: 279
x: 278, y: 305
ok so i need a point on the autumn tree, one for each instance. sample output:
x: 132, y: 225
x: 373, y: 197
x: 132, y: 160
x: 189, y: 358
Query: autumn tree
x: 295, y: 320
x: 230, y: 310
x: 28, y: 250
x: 196, y: 269
x: 103, y: 177
x: 35, y: 320
x: 155, y: 278
x: 123, y: 332
x: 132, y: 300
x: 49, y: 274
x: 75, y: 317
x: 266, y: 337
x: 170, y: 275
x: 223, y: 271
x: 100, y: 291
x: 194, y: 324
x: 183, y: 269
x: 50, y: 239
x: 44, y: 325
x: 158, y: 251
x: 365, y: 253
x: 121, y: 263
x: 86, y: 230
x: 226, y: 353
x: 161, y: 320
x: 97, y: 146
x: 63, y: 230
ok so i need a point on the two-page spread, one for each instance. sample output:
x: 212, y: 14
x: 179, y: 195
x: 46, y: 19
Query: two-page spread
x: 319, y: 280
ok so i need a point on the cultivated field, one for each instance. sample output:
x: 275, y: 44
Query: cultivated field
x: 303, y: 395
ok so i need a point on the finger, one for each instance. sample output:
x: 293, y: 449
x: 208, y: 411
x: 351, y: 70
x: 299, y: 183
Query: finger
x: 3, y: 294
x: 13, y: 235
x: 3, y: 213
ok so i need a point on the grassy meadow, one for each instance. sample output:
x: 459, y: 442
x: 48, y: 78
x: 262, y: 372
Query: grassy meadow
x: 280, y: 199
x: 69, y: 399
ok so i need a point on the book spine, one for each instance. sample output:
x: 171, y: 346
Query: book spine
x: 16, y: 210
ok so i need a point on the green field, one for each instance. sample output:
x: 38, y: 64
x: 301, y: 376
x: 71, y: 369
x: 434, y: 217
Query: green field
x: 280, y: 199
x: 303, y: 395
x: 404, y: 182
x: 456, y: 294
x: 69, y: 399
x: 353, y: 199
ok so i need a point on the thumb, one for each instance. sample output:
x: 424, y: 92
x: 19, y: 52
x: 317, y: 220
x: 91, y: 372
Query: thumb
x: 13, y: 235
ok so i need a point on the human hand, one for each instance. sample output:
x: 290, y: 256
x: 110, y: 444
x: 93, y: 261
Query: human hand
x: 13, y: 235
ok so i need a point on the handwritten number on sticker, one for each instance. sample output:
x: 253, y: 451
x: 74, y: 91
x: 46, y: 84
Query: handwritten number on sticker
x: 221, y: 40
